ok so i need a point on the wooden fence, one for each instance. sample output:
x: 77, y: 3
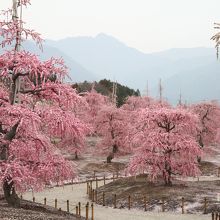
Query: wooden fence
x: 215, y: 216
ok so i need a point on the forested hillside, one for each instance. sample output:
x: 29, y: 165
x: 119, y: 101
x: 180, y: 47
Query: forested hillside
x: 105, y: 87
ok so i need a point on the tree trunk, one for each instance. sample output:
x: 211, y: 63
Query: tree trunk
x: 8, y: 188
x: 9, y: 136
x: 110, y: 157
x: 76, y: 155
x: 10, y: 194
x: 13, y: 92
x: 3, y: 152
x: 115, y: 149
x: 168, y: 181
x: 199, y: 159
x: 167, y: 175
x: 15, y: 87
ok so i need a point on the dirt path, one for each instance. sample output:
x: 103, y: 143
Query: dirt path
x: 77, y: 193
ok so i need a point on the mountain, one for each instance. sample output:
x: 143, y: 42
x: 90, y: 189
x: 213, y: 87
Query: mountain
x: 176, y: 54
x: 112, y: 59
x: 197, y: 74
x: 195, y: 84
x: 194, y: 71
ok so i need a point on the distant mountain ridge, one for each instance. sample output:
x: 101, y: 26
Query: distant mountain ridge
x: 193, y: 71
x: 109, y: 58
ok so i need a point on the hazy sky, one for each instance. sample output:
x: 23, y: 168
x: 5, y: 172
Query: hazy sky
x: 148, y: 25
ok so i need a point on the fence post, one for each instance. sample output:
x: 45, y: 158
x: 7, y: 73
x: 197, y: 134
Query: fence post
x: 79, y: 209
x: 87, y: 190
x: 104, y: 179
x: 96, y: 182
x: 55, y: 203
x: 33, y: 199
x: 87, y: 211
x: 91, y: 183
x: 216, y: 216
x: 45, y: 201
x: 145, y: 203
x: 182, y: 205
x: 21, y: 197
x: 96, y: 199
x: 218, y: 172
x: 205, y: 205
x: 67, y: 206
x: 93, y: 195
x: 103, y: 199
x: 94, y: 175
x: 92, y: 210
x: 129, y: 202
x: 115, y: 206
x: 163, y: 208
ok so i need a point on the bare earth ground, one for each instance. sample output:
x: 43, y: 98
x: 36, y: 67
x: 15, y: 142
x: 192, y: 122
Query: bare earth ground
x: 192, y: 190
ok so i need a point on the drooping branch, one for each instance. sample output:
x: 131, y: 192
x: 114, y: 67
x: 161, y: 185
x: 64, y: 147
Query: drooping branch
x: 33, y: 92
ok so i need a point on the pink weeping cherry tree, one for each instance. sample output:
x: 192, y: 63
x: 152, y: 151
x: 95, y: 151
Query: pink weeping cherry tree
x: 132, y: 107
x: 209, y: 117
x: 112, y: 127
x: 94, y: 103
x: 167, y: 144
x: 35, y: 109
x: 138, y: 102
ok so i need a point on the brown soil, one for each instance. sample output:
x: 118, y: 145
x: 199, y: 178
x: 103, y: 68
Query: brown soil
x: 193, y: 192
x: 32, y: 211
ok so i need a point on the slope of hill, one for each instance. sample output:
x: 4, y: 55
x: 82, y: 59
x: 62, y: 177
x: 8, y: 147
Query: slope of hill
x: 105, y: 87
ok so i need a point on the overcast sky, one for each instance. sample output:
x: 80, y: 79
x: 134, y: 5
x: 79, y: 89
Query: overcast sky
x: 148, y: 25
